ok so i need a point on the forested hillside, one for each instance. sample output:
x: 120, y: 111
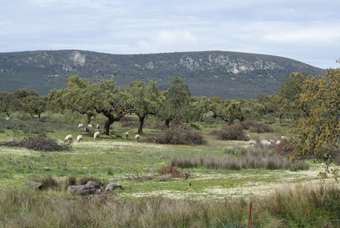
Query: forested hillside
x: 210, y: 73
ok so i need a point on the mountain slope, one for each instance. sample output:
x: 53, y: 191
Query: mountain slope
x: 208, y: 73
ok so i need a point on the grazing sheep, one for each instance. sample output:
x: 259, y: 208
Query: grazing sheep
x: 7, y: 118
x: 98, y: 126
x: 265, y: 142
x: 252, y: 142
x: 126, y: 135
x: 68, y: 139
x: 284, y: 138
x: 272, y: 141
x: 89, y: 125
x: 80, y: 125
x: 96, y: 135
x: 79, y: 138
x: 113, y: 186
x: 137, y: 137
x: 278, y: 142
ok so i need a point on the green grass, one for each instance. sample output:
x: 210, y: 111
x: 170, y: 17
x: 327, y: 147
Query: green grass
x: 112, y: 158
x: 125, y: 161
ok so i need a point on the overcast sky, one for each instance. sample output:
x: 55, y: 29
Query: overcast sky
x: 304, y: 30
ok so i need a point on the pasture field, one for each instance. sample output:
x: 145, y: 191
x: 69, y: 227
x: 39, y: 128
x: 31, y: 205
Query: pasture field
x: 136, y: 166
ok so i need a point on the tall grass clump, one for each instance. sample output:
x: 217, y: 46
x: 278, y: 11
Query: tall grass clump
x: 247, y: 161
x: 305, y: 205
x: 250, y: 161
x: 302, y: 206
x: 237, y: 158
x: 184, y: 162
x: 48, y: 182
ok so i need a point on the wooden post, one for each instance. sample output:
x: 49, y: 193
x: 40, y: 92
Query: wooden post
x: 249, y: 214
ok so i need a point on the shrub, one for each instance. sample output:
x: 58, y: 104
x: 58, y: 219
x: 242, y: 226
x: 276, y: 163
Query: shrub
x: 266, y: 128
x: 253, y: 126
x: 214, y: 132
x: 233, y: 132
x: 125, y: 119
x: 178, y: 134
x: 160, y: 125
x: 129, y: 124
x: 247, y: 124
x: 38, y: 143
x: 284, y: 148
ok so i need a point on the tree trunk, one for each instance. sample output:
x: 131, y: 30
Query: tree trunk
x: 88, y: 117
x: 167, y: 123
x: 280, y: 119
x: 107, y: 125
x: 141, y: 123
x: 39, y: 115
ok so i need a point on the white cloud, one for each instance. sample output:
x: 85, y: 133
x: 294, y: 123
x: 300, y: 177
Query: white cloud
x: 168, y: 40
x: 75, y: 3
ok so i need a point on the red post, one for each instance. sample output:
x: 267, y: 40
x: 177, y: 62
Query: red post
x: 249, y: 214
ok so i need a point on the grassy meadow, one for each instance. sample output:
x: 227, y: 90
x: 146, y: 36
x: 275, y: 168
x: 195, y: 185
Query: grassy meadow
x: 211, y: 194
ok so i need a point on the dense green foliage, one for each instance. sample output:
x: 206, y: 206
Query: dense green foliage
x: 318, y: 118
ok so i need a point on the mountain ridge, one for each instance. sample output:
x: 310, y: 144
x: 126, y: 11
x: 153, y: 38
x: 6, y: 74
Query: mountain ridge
x: 208, y: 73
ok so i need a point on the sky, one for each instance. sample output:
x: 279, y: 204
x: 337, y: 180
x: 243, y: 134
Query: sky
x: 303, y: 30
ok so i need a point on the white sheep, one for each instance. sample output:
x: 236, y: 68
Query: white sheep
x: 89, y: 125
x: 265, y: 142
x: 98, y: 126
x: 278, y: 142
x: 79, y: 138
x: 272, y: 141
x: 68, y: 138
x: 137, y: 137
x: 96, y: 135
x: 252, y: 142
x: 126, y: 135
x: 7, y: 118
x: 284, y: 138
x: 80, y: 125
